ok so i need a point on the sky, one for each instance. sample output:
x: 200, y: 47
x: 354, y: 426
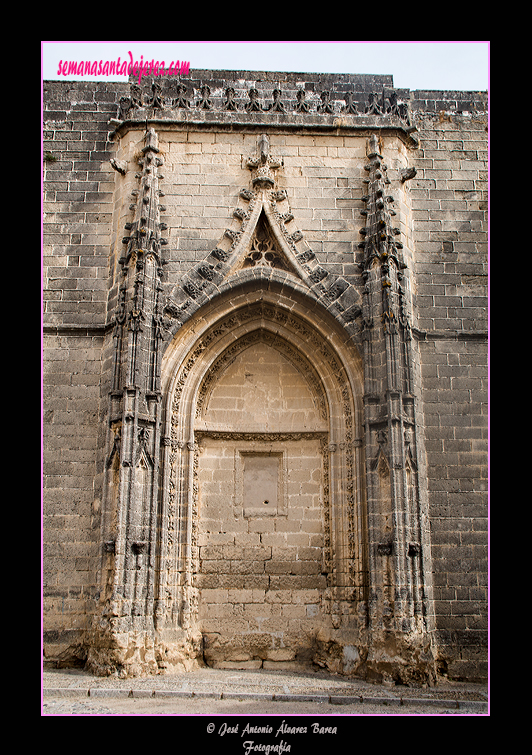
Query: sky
x: 462, y: 66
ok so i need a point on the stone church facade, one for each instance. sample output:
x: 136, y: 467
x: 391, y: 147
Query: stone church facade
x: 264, y: 375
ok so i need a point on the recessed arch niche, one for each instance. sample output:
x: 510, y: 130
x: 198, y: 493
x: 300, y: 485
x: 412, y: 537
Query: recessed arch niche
x: 262, y: 514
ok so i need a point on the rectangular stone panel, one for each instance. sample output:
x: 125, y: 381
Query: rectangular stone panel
x: 261, y: 481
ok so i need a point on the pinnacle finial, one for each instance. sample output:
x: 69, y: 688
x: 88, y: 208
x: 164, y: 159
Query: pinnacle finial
x: 152, y: 141
x: 373, y: 147
x: 263, y: 164
x: 264, y: 148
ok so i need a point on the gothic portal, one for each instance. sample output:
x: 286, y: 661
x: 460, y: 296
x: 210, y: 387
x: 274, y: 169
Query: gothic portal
x: 264, y: 422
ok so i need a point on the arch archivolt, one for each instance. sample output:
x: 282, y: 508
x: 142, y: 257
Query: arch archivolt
x: 308, y: 338
x: 274, y: 340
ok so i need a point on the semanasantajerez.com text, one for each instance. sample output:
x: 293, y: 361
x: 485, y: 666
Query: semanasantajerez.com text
x: 116, y: 68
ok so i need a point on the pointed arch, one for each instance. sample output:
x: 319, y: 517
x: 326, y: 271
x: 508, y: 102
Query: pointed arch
x: 265, y: 250
x: 275, y: 345
x: 278, y: 304
x: 269, y: 210
x: 301, y: 331
x: 292, y: 259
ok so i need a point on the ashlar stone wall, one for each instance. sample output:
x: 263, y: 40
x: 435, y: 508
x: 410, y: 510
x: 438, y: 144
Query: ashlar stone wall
x: 450, y: 204
x: 265, y: 287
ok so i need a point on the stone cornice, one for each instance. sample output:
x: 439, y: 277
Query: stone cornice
x: 231, y: 104
x: 362, y: 125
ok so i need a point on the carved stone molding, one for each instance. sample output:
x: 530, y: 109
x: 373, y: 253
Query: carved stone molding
x: 202, y: 104
x: 384, y: 103
x: 285, y: 330
x: 263, y: 237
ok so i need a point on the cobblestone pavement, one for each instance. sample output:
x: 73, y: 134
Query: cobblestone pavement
x: 215, y: 693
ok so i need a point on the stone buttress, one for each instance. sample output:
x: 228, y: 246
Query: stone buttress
x: 398, y: 547
x: 129, y: 523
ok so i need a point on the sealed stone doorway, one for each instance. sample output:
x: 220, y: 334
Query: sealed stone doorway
x: 262, y: 507
x: 261, y: 512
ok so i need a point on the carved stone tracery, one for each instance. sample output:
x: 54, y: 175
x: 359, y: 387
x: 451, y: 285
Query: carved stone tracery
x: 264, y: 239
x: 384, y: 104
x: 263, y: 249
